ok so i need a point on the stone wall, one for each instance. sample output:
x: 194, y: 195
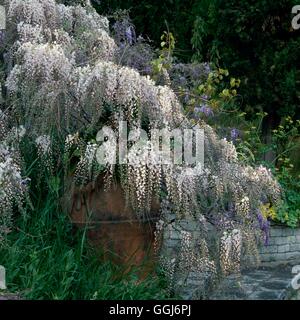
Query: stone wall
x: 284, y: 246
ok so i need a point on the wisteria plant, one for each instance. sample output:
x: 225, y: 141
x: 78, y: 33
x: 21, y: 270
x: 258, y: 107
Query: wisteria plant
x: 65, y: 81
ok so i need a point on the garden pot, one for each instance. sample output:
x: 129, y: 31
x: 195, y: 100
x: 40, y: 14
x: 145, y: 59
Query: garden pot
x: 112, y: 226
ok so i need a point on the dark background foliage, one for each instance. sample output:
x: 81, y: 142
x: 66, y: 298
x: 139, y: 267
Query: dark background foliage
x: 255, y: 41
x: 252, y: 39
x: 153, y: 17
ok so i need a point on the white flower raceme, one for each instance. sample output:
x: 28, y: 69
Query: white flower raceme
x: 30, y: 33
x: 230, y: 249
x: 12, y: 185
x: 46, y: 62
x: 44, y: 144
x: 72, y: 139
x: 50, y: 68
x: 108, y: 83
x: 88, y: 168
x: 90, y: 32
x: 35, y: 12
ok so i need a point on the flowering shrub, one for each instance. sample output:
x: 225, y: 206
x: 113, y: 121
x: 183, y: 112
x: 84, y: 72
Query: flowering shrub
x: 63, y: 72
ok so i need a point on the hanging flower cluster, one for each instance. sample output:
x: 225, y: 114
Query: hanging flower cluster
x: 13, y: 186
x: 66, y: 76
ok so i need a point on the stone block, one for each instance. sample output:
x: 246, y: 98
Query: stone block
x: 267, y: 257
x: 167, y: 234
x: 280, y: 257
x: 288, y: 232
x: 272, y: 240
x: 264, y: 249
x: 271, y: 249
x: 283, y: 248
x: 291, y: 239
x: 276, y: 232
x: 192, y: 226
x: 281, y: 240
x: 292, y: 255
x: 171, y: 243
x: 295, y: 247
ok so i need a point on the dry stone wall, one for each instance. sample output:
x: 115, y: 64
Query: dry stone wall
x: 284, y: 246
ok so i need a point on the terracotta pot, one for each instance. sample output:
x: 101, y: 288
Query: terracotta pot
x: 113, y: 226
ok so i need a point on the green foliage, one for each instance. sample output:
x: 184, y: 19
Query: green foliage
x: 289, y: 212
x: 165, y: 59
x: 44, y: 261
x: 151, y: 17
x: 220, y: 89
x: 250, y: 146
x: 284, y: 141
x: 255, y: 41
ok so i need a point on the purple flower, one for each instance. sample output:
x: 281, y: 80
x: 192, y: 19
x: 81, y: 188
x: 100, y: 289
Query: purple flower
x: 147, y: 70
x: 207, y: 111
x: 260, y: 219
x: 2, y: 37
x: 182, y: 80
x: 26, y: 181
x: 130, y: 35
x: 186, y: 98
x: 207, y: 68
x: 266, y: 230
x: 264, y: 225
x: 234, y: 133
x: 124, y: 31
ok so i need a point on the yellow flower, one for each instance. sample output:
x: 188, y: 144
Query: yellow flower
x: 201, y: 87
x: 267, y: 211
x: 232, y: 82
x: 226, y: 93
